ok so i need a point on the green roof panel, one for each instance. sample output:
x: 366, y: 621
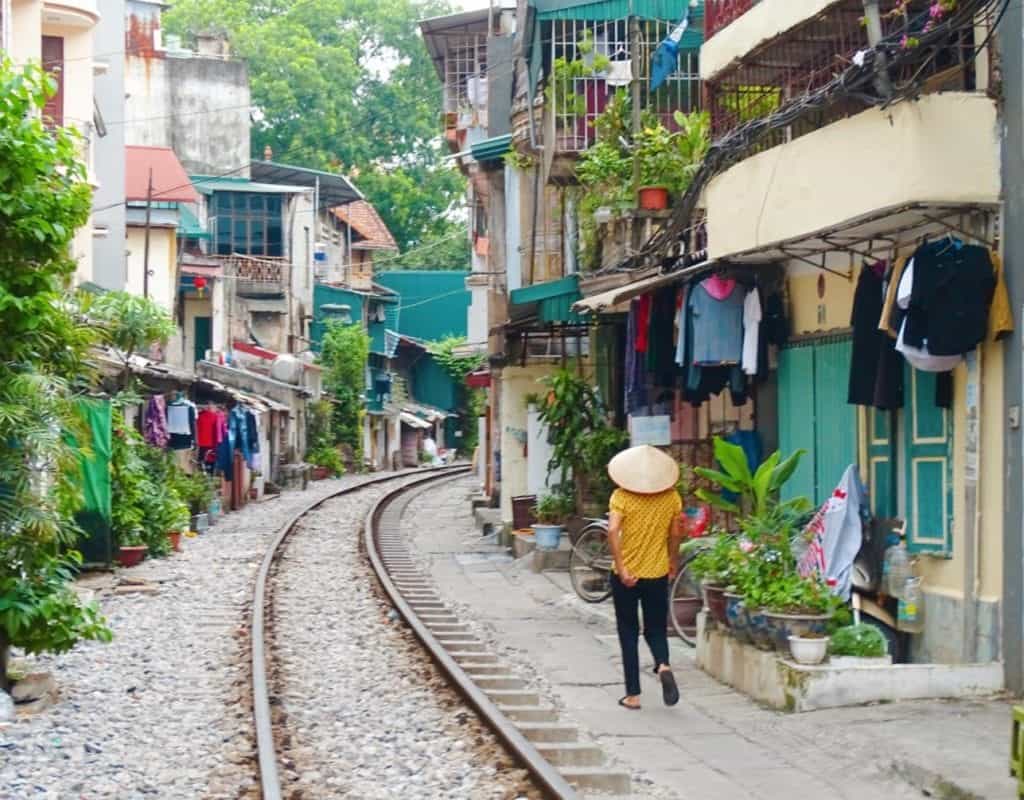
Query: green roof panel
x: 554, y: 299
x: 493, y: 148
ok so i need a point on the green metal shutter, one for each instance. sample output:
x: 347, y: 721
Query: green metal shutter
x: 928, y: 439
x: 882, y: 463
x: 835, y: 420
x: 796, y: 416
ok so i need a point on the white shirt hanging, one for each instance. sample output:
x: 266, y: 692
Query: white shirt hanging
x: 751, y: 331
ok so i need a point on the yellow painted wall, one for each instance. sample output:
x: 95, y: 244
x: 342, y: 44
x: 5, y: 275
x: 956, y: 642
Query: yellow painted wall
x: 942, y: 576
x: 26, y: 30
x: 942, y: 148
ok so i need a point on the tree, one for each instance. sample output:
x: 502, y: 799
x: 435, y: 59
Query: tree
x: 44, y: 198
x: 346, y: 86
x: 130, y: 323
x: 344, y: 354
x: 472, y: 402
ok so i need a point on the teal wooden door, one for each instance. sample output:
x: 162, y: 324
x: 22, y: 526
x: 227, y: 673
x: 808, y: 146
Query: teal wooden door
x: 928, y: 468
x: 796, y: 417
x: 814, y: 416
x: 202, y: 337
x: 835, y: 420
x: 882, y: 463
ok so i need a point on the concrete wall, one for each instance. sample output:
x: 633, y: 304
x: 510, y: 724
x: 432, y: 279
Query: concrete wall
x: 162, y: 264
x: 196, y: 105
x: 943, y: 148
x: 109, y: 261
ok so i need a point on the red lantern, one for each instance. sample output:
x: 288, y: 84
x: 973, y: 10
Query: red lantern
x: 200, y: 284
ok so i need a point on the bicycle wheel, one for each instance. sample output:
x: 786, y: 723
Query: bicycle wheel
x: 590, y: 564
x: 685, y: 603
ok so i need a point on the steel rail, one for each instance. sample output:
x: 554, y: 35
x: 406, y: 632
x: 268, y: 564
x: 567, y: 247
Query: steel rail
x: 270, y: 781
x: 547, y: 777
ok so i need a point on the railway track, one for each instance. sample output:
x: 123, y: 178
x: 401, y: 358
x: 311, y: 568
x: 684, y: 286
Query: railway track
x: 526, y: 729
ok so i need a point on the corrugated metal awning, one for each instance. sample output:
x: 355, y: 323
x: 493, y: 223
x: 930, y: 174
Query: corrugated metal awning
x: 413, y: 421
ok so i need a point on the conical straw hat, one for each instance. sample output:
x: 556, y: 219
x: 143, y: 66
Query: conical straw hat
x: 644, y: 470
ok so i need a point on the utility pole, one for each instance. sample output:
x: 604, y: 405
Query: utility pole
x: 145, y: 247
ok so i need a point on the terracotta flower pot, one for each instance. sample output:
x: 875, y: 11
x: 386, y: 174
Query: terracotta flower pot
x: 653, y: 198
x: 131, y: 555
x: 175, y: 537
x: 320, y: 473
x: 714, y: 599
x: 685, y: 610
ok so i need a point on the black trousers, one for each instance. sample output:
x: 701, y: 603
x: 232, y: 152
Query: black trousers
x: 650, y: 594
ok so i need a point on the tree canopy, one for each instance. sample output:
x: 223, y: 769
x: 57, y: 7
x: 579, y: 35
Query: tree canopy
x: 347, y: 86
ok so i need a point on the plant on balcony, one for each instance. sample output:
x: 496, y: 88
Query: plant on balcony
x: 561, y: 93
x: 129, y: 323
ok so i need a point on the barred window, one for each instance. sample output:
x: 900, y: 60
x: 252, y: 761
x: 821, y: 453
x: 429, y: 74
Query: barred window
x: 247, y: 223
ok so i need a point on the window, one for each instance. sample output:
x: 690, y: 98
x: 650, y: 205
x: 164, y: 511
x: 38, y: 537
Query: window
x: 247, y: 223
x: 52, y: 53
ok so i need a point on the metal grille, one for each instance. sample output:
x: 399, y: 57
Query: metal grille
x: 811, y: 54
x: 257, y: 277
x: 465, y: 68
x: 576, y: 103
x: 719, y: 13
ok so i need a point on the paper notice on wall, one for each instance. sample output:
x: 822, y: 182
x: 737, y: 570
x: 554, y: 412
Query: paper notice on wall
x: 655, y: 431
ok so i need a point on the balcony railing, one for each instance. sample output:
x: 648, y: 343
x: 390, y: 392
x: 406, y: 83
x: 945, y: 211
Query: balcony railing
x: 810, y: 55
x: 257, y: 276
x: 576, y: 102
x: 719, y: 13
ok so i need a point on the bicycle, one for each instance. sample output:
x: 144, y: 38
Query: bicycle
x: 590, y: 570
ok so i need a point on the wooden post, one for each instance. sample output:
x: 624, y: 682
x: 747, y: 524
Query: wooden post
x: 634, y: 47
x: 145, y: 247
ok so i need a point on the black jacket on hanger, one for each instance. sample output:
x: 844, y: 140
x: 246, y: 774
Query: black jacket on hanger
x: 949, y: 301
x: 876, y: 369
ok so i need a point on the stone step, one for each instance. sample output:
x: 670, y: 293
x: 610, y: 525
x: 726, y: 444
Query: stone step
x: 473, y: 657
x: 513, y: 697
x: 549, y: 731
x: 571, y: 754
x: 505, y: 682
x: 595, y: 779
x: 529, y: 713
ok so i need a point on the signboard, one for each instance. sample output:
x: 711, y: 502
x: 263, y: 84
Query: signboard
x: 655, y: 431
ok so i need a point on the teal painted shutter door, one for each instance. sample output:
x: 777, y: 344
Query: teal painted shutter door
x: 928, y: 438
x: 881, y: 463
x: 203, y: 337
x: 835, y: 420
x: 796, y: 416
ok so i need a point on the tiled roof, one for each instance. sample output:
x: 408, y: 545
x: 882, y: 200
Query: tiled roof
x: 170, y: 183
x: 364, y: 220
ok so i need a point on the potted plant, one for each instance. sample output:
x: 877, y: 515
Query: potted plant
x: 859, y: 646
x: 326, y: 461
x: 713, y: 566
x: 131, y: 549
x: 796, y: 606
x: 171, y: 518
x: 809, y: 649
x: 551, y: 511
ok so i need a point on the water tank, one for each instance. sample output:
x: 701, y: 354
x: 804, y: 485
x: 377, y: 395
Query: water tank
x: 287, y: 369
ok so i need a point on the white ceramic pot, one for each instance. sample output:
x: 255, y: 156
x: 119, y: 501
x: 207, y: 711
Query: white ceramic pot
x: 808, y: 651
x: 548, y: 537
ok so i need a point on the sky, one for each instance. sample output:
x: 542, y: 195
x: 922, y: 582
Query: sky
x: 471, y: 5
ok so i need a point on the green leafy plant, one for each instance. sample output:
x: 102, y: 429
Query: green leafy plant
x: 344, y: 354
x: 718, y: 559
x: 554, y: 508
x: 471, y: 402
x: 129, y: 323
x: 561, y: 91
x: 757, y: 492
x: 327, y: 457
x: 862, y: 641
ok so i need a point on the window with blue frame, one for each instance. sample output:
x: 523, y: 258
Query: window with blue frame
x: 247, y: 223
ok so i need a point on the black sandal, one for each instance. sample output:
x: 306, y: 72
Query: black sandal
x: 624, y: 704
x: 669, y: 690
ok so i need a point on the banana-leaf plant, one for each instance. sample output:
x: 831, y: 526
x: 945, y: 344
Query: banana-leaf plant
x: 757, y: 492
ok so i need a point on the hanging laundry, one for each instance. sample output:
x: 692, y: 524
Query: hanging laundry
x: 716, y: 313
x: 751, y: 330
x: 681, y: 325
x: 660, y: 349
x: 253, y: 438
x: 876, y: 369
x: 154, y: 427
x: 207, y: 428
x: 181, y: 423
x: 643, y: 324
x: 951, y: 292
x: 920, y: 356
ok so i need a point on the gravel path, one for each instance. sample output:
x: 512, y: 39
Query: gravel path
x: 368, y: 715
x: 164, y: 710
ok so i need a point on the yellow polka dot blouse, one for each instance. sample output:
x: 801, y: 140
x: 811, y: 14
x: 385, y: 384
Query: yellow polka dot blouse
x: 646, y: 526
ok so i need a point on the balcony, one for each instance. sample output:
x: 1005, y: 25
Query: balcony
x: 779, y: 50
x: 939, y: 152
x: 720, y: 13
x: 257, y: 277
x: 71, y: 13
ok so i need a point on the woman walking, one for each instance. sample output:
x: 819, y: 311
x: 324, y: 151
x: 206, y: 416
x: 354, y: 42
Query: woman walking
x: 644, y: 535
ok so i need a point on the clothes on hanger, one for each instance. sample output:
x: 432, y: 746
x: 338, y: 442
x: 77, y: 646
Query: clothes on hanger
x: 716, y: 324
x: 751, y: 330
x: 253, y: 439
x: 876, y: 369
x: 920, y: 356
x: 208, y: 428
x: 660, y: 348
x: 154, y: 425
x: 181, y: 423
x: 643, y: 324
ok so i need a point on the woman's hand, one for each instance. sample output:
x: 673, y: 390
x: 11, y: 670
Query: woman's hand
x: 628, y: 578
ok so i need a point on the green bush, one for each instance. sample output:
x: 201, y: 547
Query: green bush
x: 327, y: 457
x: 863, y: 641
